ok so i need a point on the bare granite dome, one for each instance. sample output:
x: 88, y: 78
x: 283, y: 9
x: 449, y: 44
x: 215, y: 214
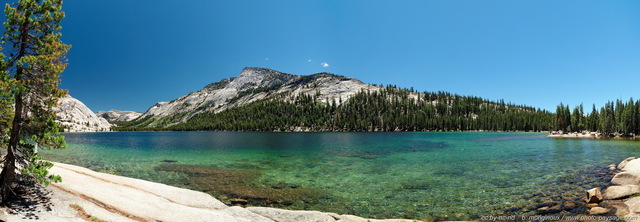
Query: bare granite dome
x: 74, y: 116
x: 117, y: 115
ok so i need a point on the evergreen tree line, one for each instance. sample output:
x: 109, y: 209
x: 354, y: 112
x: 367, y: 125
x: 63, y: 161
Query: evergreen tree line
x: 614, y: 118
x: 388, y: 109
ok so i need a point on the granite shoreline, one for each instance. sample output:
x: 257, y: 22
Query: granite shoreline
x: 86, y: 195
x: 621, y: 199
x: 589, y: 135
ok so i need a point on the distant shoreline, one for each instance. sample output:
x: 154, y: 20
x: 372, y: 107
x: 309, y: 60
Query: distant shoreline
x: 589, y: 135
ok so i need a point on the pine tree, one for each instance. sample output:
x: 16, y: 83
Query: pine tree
x: 594, y: 119
x: 576, y: 118
x: 32, y: 72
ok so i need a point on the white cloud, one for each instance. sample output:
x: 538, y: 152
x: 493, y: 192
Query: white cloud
x: 324, y: 64
x: 309, y: 60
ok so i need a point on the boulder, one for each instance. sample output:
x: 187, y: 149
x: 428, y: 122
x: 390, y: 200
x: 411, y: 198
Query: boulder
x: 617, y: 208
x: 598, y: 210
x: 594, y: 195
x: 612, y: 167
x: 281, y: 215
x: 549, y: 210
x: 617, y: 192
x: 633, y: 204
x: 633, y: 166
x: 622, y: 164
x: 626, y: 178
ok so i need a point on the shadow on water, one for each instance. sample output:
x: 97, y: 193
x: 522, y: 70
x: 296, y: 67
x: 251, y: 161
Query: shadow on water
x: 229, y: 184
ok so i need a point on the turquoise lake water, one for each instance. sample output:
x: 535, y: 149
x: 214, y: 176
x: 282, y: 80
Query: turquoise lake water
x: 380, y: 175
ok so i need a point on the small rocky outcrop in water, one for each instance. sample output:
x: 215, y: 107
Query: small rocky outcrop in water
x: 566, y: 195
x: 621, y: 198
x: 618, y: 195
x: 594, y: 195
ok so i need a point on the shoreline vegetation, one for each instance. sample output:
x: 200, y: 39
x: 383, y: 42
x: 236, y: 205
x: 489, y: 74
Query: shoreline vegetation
x: 387, y: 109
x: 394, y: 109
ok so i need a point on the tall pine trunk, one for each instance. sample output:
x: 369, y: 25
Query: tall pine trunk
x: 9, y: 169
x: 37, y: 55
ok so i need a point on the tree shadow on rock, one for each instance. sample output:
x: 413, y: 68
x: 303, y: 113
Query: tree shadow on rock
x: 29, y: 200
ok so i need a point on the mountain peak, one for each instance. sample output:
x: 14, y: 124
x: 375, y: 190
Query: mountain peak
x: 253, y: 84
x: 257, y: 71
x: 259, y: 77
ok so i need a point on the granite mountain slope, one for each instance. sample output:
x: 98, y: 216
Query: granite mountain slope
x: 262, y: 99
x: 118, y: 116
x: 74, y: 116
x: 251, y: 85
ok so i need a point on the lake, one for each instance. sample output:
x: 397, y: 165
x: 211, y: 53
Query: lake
x: 380, y: 175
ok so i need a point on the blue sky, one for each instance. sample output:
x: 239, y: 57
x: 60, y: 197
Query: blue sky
x: 128, y: 55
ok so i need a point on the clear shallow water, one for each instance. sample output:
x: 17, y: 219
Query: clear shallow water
x: 390, y: 175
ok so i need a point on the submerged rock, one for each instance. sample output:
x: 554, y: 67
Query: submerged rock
x: 598, y: 211
x: 549, y: 210
x: 568, y: 206
x: 617, y: 208
x: 513, y: 210
x: 279, y: 185
x: 244, y: 184
x: 543, y: 205
x: 592, y: 205
x: 239, y: 201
